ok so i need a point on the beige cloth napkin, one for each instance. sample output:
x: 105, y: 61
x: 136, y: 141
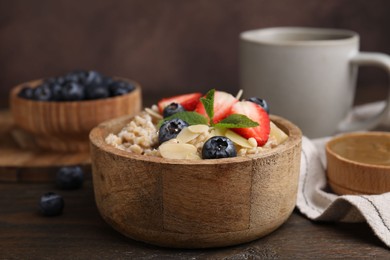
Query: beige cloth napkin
x: 318, y: 203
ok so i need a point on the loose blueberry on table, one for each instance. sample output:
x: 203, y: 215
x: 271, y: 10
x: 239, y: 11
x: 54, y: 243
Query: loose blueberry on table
x: 70, y: 177
x: 77, y: 86
x: 51, y: 204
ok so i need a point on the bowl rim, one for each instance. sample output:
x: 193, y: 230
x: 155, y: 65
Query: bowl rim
x: 344, y: 136
x: 97, y: 139
x: 36, y: 82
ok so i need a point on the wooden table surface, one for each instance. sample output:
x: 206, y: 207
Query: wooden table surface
x: 80, y: 233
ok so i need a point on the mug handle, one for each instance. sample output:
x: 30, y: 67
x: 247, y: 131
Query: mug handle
x: 377, y: 60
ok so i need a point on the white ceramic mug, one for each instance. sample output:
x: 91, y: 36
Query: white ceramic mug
x: 307, y: 75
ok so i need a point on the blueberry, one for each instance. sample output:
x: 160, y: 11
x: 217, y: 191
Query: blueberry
x: 106, y: 81
x: 51, y: 80
x: 170, y: 129
x: 60, y: 80
x: 56, y: 90
x: 260, y: 102
x: 42, y: 93
x: 218, y: 147
x: 72, y: 91
x: 78, y: 85
x: 72, y: 77
x: 119, y: 87
x: 51, y: 204
x: 172, y: 109
x: 26, y: 92
x: 96, y: 92
x: 70, y: 178
x: 93, y: 77
x: 81, y: 75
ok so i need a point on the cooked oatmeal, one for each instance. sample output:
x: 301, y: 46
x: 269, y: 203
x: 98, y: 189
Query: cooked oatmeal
x: 140, y: 136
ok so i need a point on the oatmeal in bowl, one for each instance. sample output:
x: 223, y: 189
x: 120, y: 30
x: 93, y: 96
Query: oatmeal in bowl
x: 215, y: 171
x: 243, y: 127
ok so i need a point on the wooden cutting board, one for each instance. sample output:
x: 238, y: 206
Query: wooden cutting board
x: 22, y: 161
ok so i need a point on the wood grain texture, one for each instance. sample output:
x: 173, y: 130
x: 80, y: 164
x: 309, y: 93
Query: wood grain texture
x: 21, y: 160
x: 80, y: 233
x: 169, y: 46
x: 64, y: 126
x: 346, y: 176
x: 190, y: 203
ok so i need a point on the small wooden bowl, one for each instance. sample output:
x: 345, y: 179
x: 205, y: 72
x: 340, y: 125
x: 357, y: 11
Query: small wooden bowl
x: 64, y: 126
x: 195, y: 203
x: 359, y: 163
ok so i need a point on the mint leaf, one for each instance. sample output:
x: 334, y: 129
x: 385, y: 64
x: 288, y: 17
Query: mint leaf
x: 192, y: 118
x: 210, y: 94
x: 208, y: 103
x: 236, y: 121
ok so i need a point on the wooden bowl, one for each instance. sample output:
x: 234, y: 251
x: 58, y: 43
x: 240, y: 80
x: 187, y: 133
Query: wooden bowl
x: 195, y: 203
x: 359, y: 163
x: 64, y: 126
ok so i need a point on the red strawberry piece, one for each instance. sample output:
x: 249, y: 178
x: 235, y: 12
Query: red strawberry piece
x: 223, y: 103
x: 257, y: 114
x: 188, y: 101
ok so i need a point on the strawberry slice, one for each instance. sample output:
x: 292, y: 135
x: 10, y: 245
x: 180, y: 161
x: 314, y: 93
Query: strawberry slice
x: 188, y: 101
x: 257, y: 114
x: 223, y: 103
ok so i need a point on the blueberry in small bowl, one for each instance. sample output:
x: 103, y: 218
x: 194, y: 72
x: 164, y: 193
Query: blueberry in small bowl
x: 60, y: 111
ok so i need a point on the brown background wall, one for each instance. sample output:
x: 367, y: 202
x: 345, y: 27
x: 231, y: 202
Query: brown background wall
x: 168, y: 46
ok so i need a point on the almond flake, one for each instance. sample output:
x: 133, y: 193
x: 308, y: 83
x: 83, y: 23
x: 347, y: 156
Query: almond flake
x: 153, y: 113
x: 198, y: 129
x: 172, y: 141
x: 239, y: 94
x: 186, y: 135
x: 219, y: 131
x: 177, y: 151
x: 252, y: 141
x: 193, y: 156
x: 238, y: 139
x: 277, y: 134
